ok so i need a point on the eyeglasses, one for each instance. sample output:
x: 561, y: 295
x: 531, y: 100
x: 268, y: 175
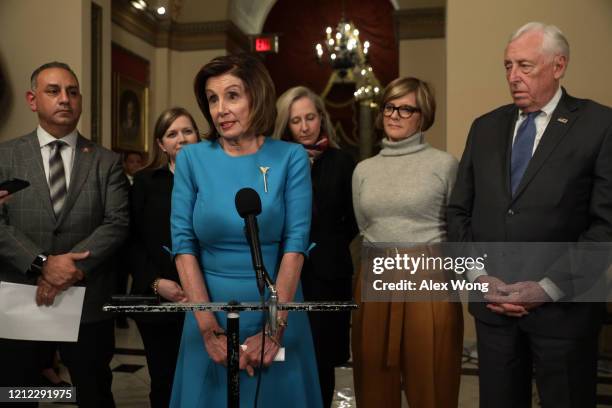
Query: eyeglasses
x: 404, y: 111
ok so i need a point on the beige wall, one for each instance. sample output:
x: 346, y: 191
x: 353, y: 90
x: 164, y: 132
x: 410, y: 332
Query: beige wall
x: 184, y: 67
x: 193, y: 11
x: 106, y: 72
x: 426, y: 60
x: 84, y: 45
x: 477, y: 31
x: 23, y: 48
x: 130, y: 42
x: 160, y: 83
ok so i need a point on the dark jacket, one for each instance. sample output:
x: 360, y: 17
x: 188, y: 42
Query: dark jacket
x: 150, y: 212
x: 564, y: 196
x: 333, y: 220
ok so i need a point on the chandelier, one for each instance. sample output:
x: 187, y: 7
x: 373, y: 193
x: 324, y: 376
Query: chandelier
x: 348, y: 57
x: 368, y: 85
x: 344, y: 47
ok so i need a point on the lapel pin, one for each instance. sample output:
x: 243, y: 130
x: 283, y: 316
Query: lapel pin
x: 562, y: 120
x: 264, y: 172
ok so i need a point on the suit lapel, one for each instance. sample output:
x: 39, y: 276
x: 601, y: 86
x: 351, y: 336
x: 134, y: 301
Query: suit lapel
x: 36, y: 171
x: 83, y: 158
x: 505, y: 145
x: 561, y: 121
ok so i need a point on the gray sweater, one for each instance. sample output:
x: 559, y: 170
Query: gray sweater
x: 400, y: 195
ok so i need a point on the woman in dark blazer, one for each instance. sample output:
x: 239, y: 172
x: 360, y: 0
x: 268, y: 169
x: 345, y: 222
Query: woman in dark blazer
x: 155, y: 272
x: 327, y: 272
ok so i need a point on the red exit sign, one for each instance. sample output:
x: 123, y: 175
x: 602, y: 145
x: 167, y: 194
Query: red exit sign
x: 265, y: 43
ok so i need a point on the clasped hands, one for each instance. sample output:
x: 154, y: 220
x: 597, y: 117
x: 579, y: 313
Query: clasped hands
x: 58, y: 274
x: 513, y: 300
x: 250, y: 351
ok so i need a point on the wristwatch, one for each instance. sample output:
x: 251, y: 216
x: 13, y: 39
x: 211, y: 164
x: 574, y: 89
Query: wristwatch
x: 39, y: 262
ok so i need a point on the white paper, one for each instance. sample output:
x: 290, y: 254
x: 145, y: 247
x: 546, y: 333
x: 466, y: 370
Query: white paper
x: 280, y: 356
x: 22, y: 319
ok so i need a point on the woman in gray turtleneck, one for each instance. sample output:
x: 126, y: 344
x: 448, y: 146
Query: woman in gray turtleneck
x: 400, y: 195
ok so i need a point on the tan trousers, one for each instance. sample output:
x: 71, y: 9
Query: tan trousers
x: 415, y: 346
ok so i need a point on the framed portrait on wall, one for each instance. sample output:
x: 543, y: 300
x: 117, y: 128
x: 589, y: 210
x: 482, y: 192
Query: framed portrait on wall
x: 130, y: 114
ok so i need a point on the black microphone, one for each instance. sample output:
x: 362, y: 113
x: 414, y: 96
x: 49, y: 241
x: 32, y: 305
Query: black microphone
x: 248, y: 205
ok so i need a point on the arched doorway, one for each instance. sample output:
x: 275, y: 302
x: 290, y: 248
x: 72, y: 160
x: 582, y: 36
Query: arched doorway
x: 300, y: 28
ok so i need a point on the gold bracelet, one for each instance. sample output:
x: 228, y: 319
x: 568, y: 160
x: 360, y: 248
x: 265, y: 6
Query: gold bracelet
x: 155, y: 286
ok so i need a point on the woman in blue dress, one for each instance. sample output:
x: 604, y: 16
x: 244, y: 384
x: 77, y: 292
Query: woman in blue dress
x: 236, y: 95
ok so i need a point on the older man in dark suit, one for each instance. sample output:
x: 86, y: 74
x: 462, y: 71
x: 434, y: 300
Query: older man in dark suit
x: 538, y: 170
x: 63, y: 231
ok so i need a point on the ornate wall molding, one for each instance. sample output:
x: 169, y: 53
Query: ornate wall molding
x: 419, y: 23
x: 179, y: 36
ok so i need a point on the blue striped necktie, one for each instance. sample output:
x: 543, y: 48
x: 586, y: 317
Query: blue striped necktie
x: 522, y: 149
x: 57, y: 177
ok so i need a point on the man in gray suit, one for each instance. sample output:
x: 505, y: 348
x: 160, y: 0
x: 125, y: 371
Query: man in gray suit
x: 63, y: 230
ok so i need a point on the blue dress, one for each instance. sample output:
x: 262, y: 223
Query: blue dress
x: 205, y: 224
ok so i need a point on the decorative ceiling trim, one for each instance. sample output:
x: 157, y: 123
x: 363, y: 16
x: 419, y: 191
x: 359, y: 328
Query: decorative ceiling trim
x: 179, y: 36
x: 418, y: 23
x: 250, y: 16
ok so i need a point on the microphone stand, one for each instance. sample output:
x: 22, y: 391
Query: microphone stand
x: 272, y: 301
x: 263, y: 278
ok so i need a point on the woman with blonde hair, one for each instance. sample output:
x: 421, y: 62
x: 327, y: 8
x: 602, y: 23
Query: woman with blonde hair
x: 400, y: 195
x: 327, y: 272
x: 314, y: 139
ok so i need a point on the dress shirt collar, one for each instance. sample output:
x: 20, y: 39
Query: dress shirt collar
x: 550, y: 107
x: 44, y: 138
